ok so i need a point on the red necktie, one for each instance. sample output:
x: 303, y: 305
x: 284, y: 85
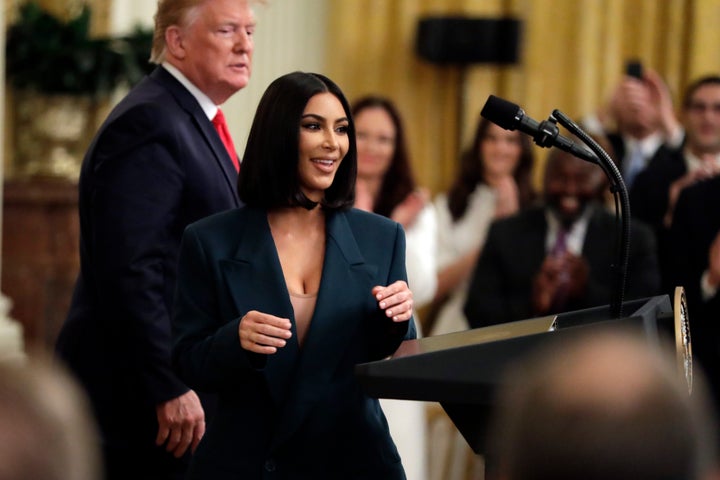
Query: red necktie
x: 222, y: 129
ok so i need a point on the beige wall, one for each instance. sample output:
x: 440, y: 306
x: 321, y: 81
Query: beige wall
x: 290, y: 36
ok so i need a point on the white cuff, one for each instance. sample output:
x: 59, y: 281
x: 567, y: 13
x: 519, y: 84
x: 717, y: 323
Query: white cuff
x: 707, y: 290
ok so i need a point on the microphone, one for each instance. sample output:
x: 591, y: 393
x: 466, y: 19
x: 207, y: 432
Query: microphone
x: 545, y: 134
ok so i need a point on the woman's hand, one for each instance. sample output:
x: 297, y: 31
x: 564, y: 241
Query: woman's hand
x: 396, y: 300
x: 407, y: 211
x: 263, y: 333
x: 508, y: 198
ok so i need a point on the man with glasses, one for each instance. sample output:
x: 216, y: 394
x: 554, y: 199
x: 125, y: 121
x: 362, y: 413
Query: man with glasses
x: 657, y: 188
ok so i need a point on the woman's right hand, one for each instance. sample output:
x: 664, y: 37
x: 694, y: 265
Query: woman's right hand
x: 263, y: 333
x: 407, y: 211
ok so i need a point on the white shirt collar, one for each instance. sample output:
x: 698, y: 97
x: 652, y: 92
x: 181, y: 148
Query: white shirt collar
x: 647, y: 145
x: 575, y: 236
x: 693, y: 162
x: 206, y: 104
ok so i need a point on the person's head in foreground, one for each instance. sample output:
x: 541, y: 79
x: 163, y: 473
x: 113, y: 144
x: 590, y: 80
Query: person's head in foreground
x: 46, y: 428
x: 604, y: 406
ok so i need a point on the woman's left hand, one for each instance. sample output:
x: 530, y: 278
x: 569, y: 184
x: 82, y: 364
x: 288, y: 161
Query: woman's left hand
x: 396, y: 300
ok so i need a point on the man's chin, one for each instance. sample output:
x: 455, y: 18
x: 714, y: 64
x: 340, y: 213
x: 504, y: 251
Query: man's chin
x: 566, y: 217
x: 241, y: 82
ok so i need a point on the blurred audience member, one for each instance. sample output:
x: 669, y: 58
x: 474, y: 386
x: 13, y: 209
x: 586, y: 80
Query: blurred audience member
x: 638, y: 120
x: 656, y: 189
x: 695, y: 255
x: 606, y: 405
x: 48, y: 431
x: 493, y: 181
x: 558, y: 256
x: 386, y: 185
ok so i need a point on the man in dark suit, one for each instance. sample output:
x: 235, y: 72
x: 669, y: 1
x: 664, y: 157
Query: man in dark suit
x: 657, y: 188
x: 155, y: 165
x: 558, y: 256
x: 695, y: 253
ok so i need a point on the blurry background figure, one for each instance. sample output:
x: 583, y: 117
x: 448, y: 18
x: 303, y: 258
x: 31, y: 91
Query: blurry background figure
x: 695, y: 256
x: 637, y: 121
x: 657, y: 188
x: 48, y: 432
x: 558, y: 256
x: 493, y: 180
x: 607, y: 405
x: 386, y: 185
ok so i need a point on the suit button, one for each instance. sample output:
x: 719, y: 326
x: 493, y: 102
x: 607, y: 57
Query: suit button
x: 270, y: 465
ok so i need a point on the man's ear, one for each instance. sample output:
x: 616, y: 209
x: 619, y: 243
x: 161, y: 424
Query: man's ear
x: 174, y: 40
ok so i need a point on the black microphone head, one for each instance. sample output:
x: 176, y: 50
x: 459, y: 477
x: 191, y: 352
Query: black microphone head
x: 501, y: 112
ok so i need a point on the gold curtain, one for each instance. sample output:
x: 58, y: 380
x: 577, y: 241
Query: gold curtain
x: 572, y: 54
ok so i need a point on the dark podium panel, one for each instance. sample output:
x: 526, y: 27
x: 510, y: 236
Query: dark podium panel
x: 462, y: 370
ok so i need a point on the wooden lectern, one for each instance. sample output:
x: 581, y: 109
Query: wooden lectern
x: 461, y: 370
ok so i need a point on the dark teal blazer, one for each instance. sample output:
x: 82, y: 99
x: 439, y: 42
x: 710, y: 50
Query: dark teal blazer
x: 299, y: 413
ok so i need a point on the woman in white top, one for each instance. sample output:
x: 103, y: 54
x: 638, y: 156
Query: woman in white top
x: 386, y: 185
x: 493, y: 181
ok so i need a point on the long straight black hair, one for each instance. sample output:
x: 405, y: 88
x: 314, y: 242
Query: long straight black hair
x: 269, y: 176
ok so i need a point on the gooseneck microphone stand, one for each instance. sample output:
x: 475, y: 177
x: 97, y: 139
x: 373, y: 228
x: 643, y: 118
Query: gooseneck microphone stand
x: 622, y: 208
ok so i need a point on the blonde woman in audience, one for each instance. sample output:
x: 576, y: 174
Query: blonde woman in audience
x: 386, y: 185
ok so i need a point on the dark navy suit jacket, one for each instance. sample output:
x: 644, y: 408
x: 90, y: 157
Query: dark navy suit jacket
x: 649, y: 200
x: 299, y: 413
x: 154, y: 166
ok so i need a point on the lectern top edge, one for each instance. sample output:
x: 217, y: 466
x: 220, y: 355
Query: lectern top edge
x: 476, y: 336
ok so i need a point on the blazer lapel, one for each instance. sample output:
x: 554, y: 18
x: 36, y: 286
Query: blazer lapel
x: 204, y: 126
x: 345, y: 276
x: 255, y: 281
x: 600, y: 233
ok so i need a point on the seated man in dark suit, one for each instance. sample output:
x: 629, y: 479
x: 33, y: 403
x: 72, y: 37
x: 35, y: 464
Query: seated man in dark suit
x: 558, y: 256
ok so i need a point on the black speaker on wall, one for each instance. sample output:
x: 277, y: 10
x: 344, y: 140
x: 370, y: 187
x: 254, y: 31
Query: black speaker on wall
x: 468, y: 40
